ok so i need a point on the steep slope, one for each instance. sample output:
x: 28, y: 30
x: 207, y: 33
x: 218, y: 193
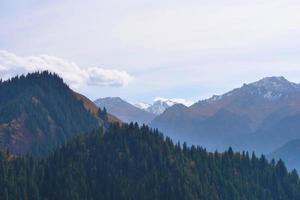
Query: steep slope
x: 92, y: 107
x: 39, y: 111
x: 289, y: 153
x: 124, y: 110
x: 257, y: 115
x: 137, y: 163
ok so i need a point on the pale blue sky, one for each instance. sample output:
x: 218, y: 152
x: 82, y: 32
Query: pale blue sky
x: 175, y: 49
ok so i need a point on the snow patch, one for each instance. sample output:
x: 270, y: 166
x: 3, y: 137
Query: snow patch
x: 160, y: 104
x: 142, y: 105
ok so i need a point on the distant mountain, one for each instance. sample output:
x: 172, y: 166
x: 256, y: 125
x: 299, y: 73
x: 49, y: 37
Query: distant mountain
x: 259, y: 116
x: 124, y: 110
x: 289, y: 152
x: 39, y: 111
x: 94, y: 109
x: 161, y: 104
x: 142, y: 112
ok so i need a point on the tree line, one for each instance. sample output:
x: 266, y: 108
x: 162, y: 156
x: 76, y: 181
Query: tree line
x: 132, y: 162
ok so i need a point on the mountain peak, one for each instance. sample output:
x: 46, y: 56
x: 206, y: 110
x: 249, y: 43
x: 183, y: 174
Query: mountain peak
x: 274, y: 79
x: 160, y: 104
x: 270, y: 88
x: 275, y: 83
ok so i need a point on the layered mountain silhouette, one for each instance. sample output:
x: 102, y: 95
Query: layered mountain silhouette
x: 124, y: 110
x: 289, y: 152
x: 39, y: 111
x: 260, y: 116
x: 142, y: 113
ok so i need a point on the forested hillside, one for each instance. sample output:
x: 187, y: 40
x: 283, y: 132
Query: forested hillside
x: 129, y: 162
x: 39, y: 111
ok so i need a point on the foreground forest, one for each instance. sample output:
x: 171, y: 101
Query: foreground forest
x: 132, y: 162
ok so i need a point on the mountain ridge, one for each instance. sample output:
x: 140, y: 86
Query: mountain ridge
x: 256, y: 103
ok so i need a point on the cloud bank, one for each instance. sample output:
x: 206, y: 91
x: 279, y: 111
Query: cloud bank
x: 12, y: 65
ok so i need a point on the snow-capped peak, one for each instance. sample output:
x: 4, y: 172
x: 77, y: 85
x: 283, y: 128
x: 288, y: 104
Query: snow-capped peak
x: 160, y: 104
x: 270, y: 88
x: 173, y: 101
x: 142, y: 105
x: 275, y: 83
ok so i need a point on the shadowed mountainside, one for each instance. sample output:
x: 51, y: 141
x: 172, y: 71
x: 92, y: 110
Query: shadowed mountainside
x: 39, y: 111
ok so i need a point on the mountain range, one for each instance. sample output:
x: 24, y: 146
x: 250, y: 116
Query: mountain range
x: 39, y: 111
x: 57, y: 144
x: 143, y: 113
x: 260, y: 116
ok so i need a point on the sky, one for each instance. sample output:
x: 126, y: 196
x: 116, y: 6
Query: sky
x: 143, y: 49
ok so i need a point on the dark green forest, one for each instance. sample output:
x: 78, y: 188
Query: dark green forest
x: 38, y: 112
x: 132, y: 162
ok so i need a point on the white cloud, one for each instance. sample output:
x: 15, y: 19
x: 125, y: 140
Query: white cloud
x: 74, y: 75
x: 99, y: 76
